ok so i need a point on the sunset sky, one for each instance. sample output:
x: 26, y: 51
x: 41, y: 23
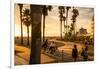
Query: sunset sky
x: 53, y: 23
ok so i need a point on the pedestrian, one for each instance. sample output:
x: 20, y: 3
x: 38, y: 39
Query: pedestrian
x: 85, y: 54
x: 82, y: 52
x: 45, y: 45
x: 75, y: 53
x: 52, y: 47
x: 86, y: 43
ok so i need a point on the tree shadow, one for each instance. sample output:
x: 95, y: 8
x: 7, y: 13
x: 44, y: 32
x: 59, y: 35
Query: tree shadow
x: 16, y: 51
x: 17, y: 54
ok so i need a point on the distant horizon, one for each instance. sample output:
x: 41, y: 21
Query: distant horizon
x: 45, y: 36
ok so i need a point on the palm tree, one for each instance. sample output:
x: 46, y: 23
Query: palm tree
x: 68, y: 34
x: 68, y: 27
x: 27, y: 22
x: 75, y: 14
x: 61, y: 12
x: 71, y: 31
x: 64, y: 22
x: 36, y: 16
x: 20, y: 8
x: 67, y: 9
x: 45, y: 10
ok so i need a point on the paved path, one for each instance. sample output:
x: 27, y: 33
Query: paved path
x: 22, y: 56
x: 67, y: 50
x: 23, y: 53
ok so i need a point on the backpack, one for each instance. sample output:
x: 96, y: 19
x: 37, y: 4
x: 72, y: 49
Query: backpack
x: 85, y: 53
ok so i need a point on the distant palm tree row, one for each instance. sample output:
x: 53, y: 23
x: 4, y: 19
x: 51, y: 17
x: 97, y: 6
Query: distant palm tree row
x: 63, y: 18
x: 62, y: 11
x: 26, y: 20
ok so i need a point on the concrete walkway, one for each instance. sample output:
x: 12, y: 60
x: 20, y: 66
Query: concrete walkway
x: 67, y: 50
x: 22, y: 55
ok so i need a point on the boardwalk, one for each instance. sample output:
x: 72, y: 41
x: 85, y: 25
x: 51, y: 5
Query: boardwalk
x: 22, y: 54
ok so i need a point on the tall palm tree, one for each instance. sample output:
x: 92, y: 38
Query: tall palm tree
x: 27, y: 22
x: 72, y: 29
x: 61, y: 12
x: 64, y: 18
x: 45, y: 10
x: 68, y: 27
x: 36, y: 16
x: 20, y: 8
x: 68, y: 30
x: 67, y: 9
x: 74, y: 16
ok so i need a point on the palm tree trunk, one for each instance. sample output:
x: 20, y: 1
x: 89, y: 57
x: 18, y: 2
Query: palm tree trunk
x: 28, y: 35
x: 61, y: 29
x: 74, y: 31
x: 64, y: 28
x: 66, y: 22
x: 21, y: 26
x: 36, y: 15
x: 43, y: 28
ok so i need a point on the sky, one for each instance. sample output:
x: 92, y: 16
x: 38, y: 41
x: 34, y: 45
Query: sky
x: 52, y: 27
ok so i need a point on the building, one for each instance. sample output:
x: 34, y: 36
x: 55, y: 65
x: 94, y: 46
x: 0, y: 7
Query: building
x: 92, y: 30
x: 92, y: 25
x: 82, y: 31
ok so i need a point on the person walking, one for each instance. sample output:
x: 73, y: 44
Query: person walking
x: 86, y: 43
x: 85, y: 54
x: 75, y: 53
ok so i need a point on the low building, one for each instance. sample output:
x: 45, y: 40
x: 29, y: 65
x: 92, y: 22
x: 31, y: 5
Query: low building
x: 82, y: 31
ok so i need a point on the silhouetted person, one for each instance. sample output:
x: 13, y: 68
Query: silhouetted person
x: 75, y: 53
x: 86, y: 43
x: 52, y: 47
x: 45, y: 45
x: 85, y: 53
x: 82, y: 51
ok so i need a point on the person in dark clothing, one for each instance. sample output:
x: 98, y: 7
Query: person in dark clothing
x: 82, y: 52
x: 52, y: 47
x: 85, y: 54
x: 75, y: 53
x: 45, y: 45
x: 86, y: 44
